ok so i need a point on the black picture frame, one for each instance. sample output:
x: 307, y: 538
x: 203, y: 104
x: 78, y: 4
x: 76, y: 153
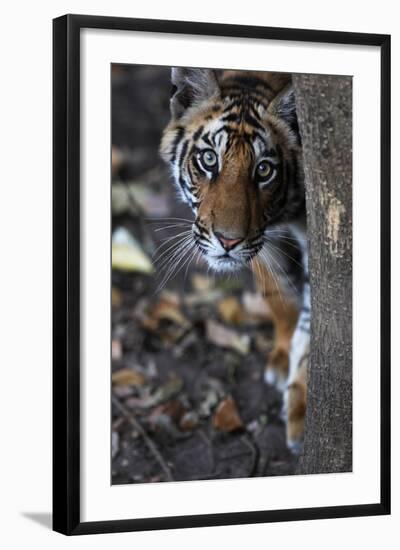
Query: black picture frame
x: 66, y: 273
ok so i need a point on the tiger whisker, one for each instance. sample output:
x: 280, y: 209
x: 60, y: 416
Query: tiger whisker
x: 283, y: 252
x: 279, y: 235
x: 176, y: 247
x: 294, y: 243
x: 171, y: 265
x: 181, y: 236
x: 193, y: 256
x: 168, y: 220
x: 166, y: 240
x: 283, y: 271
x: 171, y: 227
x: 273, y: 274
x: 175, y: 268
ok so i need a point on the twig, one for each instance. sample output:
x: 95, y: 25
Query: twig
x: 236, y: 455
x: 263, y: 464
x: 254, y: 451
x: 209, y: 444
x: 118, y: 423
x: 150, y: 444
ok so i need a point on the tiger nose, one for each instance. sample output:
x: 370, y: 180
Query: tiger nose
x: 226, y: 242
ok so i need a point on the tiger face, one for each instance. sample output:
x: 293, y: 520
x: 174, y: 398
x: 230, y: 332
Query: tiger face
x: 235, y: 156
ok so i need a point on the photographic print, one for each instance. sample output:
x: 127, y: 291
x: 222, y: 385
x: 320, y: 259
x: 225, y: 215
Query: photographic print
x: 221, y: 274
x: 211, y: 302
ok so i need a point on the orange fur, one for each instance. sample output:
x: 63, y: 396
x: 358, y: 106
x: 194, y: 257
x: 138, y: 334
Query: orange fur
x: 284, y: 311
x: 297, y: 403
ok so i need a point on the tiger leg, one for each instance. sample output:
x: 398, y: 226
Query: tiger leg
x: 284, y: 312
x: 295, y: 394
x: 295, y: 399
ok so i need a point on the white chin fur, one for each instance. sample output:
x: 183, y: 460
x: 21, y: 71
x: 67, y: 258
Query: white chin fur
x: 223, y: 265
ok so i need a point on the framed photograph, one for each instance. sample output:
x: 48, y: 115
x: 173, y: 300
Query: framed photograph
x: 221, y: 274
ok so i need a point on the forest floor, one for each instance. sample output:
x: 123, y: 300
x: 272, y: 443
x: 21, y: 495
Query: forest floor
x: 188, y: 397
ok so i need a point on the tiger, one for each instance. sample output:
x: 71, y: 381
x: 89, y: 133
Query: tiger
x: 234, y: 149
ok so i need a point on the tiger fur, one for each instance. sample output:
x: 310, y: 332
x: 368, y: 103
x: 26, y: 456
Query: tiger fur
x: 234, y: 149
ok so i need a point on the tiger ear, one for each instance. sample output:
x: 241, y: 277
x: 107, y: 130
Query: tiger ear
x: 191, y: 87
x: 284, y: 105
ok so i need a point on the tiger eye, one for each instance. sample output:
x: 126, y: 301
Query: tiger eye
x: 263, y: 169
x: 209, y: 158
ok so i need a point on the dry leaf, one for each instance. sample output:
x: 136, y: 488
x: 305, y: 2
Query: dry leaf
x: 116, y: 297
x: 231, y: 311
x: 165, y: 310
x: 127, y: 254
x: 167, y: 320
x: 123, y: 391
x: 165, y: 392
x: 173, y: 409
x: 128, y: 377
x: 116, y: 159
x: 116, y: 350
x: 226, y: 417
x: 171, y: 297
x: 114, y: 443
x: 209, y: 402
x: 201, y: 283
x: 227, y: 338
x: 121, y: 203
x: 212, y: 392
x: 202, y: 298
x: 256, y: 306
x: 189, y: 421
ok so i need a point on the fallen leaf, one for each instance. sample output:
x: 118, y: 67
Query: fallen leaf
x: 123, y: 391
x: 226, y: 417
x: 116, y: 350
x: 194, y: 299
x: 116, y: 159
x: 201, y: 283
x: 116, y: 297
x: 209, y: 402
x: 165, y: 426
x: 231, y: 311
x: 166, y: 319
x: 120, y: 202
x: 114, y: 443
x: 256, y: 306
x: 189, y: 421
x: 227, y: 338
x: 171, y: 297
x: 174, y: 409
x: 229, y: 285
x: 128, y: 377
x: 212, y: 392
x: 165, y: 392
x: 127, y: 254
x: 165, y: 310
x: 168, y: 311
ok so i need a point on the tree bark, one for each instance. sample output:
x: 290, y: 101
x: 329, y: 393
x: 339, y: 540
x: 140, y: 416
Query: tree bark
x: 324, y: 108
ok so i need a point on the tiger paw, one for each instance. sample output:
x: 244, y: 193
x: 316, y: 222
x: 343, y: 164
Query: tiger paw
x: 294, y: 411
x: 276, y: 370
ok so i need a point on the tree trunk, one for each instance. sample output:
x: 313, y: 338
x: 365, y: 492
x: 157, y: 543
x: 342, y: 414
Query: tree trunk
x: 324, y: 108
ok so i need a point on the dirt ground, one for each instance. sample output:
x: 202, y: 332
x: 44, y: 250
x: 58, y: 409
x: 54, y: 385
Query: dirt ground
x: 188, y: 397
